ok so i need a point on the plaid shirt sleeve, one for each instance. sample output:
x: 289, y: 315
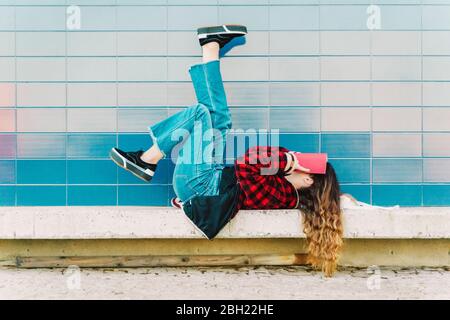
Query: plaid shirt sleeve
x: 260, y: 172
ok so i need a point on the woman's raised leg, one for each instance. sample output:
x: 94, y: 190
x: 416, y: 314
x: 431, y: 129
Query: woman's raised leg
x: 210, y: 52
x: 211, y: 112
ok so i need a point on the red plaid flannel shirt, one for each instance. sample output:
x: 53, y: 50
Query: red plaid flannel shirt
x: 261, y: 174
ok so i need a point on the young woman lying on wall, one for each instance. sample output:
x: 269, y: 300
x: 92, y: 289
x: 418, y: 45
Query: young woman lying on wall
x: 266, y: 177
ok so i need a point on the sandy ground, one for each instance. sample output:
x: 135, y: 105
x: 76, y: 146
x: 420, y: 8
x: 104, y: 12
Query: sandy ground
x: 223, y: 283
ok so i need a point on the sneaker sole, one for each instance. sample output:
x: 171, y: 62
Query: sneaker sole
x: 129, y: 166
x: 223, y: 29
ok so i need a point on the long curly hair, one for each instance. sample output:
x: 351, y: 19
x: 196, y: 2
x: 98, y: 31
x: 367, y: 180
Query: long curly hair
x: 322, y: 221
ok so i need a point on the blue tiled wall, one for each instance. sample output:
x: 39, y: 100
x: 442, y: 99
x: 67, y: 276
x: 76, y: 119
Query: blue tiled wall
x: 377, y: 101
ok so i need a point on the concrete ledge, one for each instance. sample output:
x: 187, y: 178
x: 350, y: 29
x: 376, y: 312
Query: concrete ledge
x: 170, y: 223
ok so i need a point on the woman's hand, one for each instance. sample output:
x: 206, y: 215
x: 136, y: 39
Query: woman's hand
x: 297, y: 166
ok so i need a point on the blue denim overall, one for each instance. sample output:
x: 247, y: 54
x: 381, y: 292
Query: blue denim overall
x: 203, y: 128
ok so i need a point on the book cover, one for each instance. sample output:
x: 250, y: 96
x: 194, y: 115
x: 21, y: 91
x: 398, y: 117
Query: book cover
x: 317, y: 162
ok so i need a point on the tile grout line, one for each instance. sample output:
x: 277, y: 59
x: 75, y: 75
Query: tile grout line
x: 116, y: 35
x: 371, y: 185
x: 167, y: 90
x: 269, y: 111
x: 15, y: 111
x: 421, y: 101
x: 66, y: 111
x: 320, y: 77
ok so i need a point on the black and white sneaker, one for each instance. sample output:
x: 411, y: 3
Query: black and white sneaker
x: 221, y: 34
x: 132, y: 162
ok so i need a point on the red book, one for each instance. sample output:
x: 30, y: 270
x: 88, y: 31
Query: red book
x: 317, y: 162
